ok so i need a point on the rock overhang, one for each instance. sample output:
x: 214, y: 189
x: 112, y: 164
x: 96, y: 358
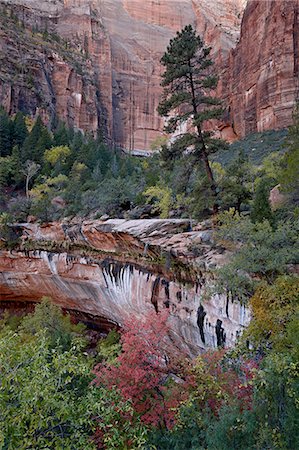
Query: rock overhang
x: 146, y: 265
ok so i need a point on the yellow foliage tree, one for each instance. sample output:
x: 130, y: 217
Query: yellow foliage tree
x: 56, y: 155
x: 273, y: 308
x: 161, y: 197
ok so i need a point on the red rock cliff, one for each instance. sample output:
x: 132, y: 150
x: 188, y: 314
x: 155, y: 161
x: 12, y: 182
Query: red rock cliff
x: 106, y: 72
x: 55, y: 61
x: 121, y: 43
x: 261, y: 82
x: 140, y: 32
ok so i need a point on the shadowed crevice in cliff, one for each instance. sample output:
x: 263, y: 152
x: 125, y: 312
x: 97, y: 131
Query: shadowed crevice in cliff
x: 165, y: 283
x: 155, y: 291
x: 201, y: 314
x: 220, y: 334
x: 23, y: 306
x: 52, y: 103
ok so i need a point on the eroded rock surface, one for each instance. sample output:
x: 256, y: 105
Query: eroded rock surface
x: 105, y: 73
x: 260, y: 84
x: 117, y: 85
x: 55, y: 62
x: 119, y: 268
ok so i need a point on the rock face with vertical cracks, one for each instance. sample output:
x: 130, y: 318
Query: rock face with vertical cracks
x: 56, y: 62
x: 95, y: 63
x: 117, y: 269
x: 261, y: 81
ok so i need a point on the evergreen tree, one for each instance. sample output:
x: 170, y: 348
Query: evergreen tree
x: 31, y: 140
x: 18, y: 177
x: 61, y: 135
x: 44, y: 143
x: 289, y: 174
x: 6, y: 131
x: 188, y: 81
x: 261, y: 209
x: 20, y: 130
x: 77, y: 142
x: 236, y: 182
x: 36, y: 142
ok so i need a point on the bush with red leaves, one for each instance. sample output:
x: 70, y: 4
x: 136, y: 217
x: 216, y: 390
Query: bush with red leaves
x: 142, y: 371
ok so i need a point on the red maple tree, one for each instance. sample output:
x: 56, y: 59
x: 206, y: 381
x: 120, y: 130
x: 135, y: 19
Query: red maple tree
x: 142, y: 371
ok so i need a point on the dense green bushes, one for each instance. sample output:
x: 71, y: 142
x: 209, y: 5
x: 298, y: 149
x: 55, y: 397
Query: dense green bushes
x: 73, y: 174
x: 63, y: 173
x: 47, y: 398
x: 54, y: 393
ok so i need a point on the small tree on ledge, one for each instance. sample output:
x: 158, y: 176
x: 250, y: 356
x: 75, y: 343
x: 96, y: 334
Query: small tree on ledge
x: 188, y: 82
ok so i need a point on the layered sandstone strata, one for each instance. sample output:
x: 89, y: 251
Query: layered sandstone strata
x: 140, y: 32
x: 55, y: 62
x: 118, y: 268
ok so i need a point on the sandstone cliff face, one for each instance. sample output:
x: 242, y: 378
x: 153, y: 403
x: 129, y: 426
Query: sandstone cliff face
x: 113, y: 82
x: 115, y: 269
x: 45, y: 65
x: 260, y: 85
x: 139, y: 33
x: 122, y: 42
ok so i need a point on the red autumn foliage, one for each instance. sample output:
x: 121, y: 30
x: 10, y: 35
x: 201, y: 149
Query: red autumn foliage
x: 215, y: 382
x: 141, y: 371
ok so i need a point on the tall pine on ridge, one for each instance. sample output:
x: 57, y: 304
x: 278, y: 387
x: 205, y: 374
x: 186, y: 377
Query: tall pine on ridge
x: 188, y: 82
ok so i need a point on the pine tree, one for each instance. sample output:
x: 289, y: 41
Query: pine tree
x: 6, y: 131
x: 36, y: 142
x: 45, y: 142
x: 236, y: 183
x: 289, y: 173
x: 261, y: 209
x: 61, y: 135
x: 18, y: 173
x: 188, y: 81
x: 20, y: 129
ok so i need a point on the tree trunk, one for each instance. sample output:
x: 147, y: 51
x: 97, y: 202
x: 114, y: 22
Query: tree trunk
x: 239, y: 203
x: 204, y: 155
x: 27, y: 186
x: 211, y: 180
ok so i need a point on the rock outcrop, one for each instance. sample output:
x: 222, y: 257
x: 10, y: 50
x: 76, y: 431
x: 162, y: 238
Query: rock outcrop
x: 261, y: 82
x: 119, y: 268
x: 139, y: 33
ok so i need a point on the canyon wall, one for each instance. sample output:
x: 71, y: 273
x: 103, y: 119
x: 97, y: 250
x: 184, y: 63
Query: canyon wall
x: 46, y: 67
x: 113, y: 80
x: 261, y: 81
x: 119, y: 268
x: 95, y: 63
x: 139, y: 33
